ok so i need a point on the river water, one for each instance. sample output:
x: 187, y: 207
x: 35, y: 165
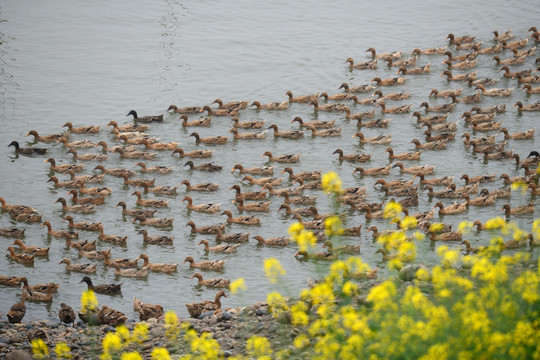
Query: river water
x: 90, y: 63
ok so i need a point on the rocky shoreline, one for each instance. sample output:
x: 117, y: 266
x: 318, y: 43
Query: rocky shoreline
x: 230, y: 328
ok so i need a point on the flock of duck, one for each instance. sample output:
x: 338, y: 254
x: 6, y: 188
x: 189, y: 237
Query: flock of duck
x: 87, y: 197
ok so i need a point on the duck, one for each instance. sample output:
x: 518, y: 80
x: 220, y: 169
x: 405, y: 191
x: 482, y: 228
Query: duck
x: 286, y: 158
x: 263, y: 181
x: 503, y: 37
x: 360, y: 115
x: 509, y: 180
x: 118, y: 172
x: 455, y: 208
x: 385, y: 170
x: 157, y: 267
x: 530, y: 90
x: 446, y: 236
x: 153, y: 169
x: 34, y: 295
x: 394, y: 183
x: 147, y: 311
x: 317, y: 123
x: 161, y: 190
x: 424, y: 169
x: 392, y: 96
x: 343, y: 249
x: 139, y: 273
x: 215, y: 283
x: 469, y: 248
x: 256, y: 206
x: 431, y: 119
x: 245, y: 220
x: 128, y: 127
x: 324, y: 132
x: 484, y: 81
x: 470, y: 99
x: 299, y: 200
x: 399, y: 63
x: 248, y: 135
x: 304, y: 175
x: 408, y: 191
x: 85, y: 178
x: 517, y: 44
x: 352, y: 157
x: 34, y: 250
x: 204, y: 229
x: 220, y: 112
x: 10, y: 280
x: 82, y: 129
x: 203, y: 167
x: 488, y: 49
x: 338, y: 96
x: 479, y: 201
x: 449, y: 126
x: 498, y: 155
x: 512, y: 75
x: 209, y: 140
x: 84, y: 268
x: 82, y: 225
x: 81, y: 209
x: 469, y: 118
x: 16, y: 209
x: 395, y: 54
x: 389, y: 81
x: 445, y: 93
x: 478, y: 178
x: 17, y: 311
x: 27, y: 217
x: 149, y: 202
x: 293, y: 134
x: 463, y: 57
x: 85, y: 201
x: 487, y: 126
x: 439, y: 144
x: 278, y: 192
x: 313, y: 225
x: 315, y: 256
x: 494, y: 92
x: 372, y: 64
x: 271, y: 106
x: 123, y: 263
x: 380, y: 139
x: 89, y: 157
x: 251, y: 195
x: 209, y: 264
x: 66, y: 314
x: 185, y: 110
x: 526, y: 209
x: 210, y: 208
x: 272, y: 241
x: 414, y: 71
x: 63, y: 167
x: 508, y: 61
x: 236, y: 105
x: 379, y: 123
x: 157, y: 222
x: 20, y: 258
x: 134, y: 154
x: 403, y: 156
x: 459, y: 77
x: 329, y: 107
x: 46, y: 139
x: 446, y: 193
x: 200, y: 187
x: 394, y: 110
x: 532, y: 159
x: 305, y: 211
x: 110, y: 316
x: 196, y: 309
x: 438, y: 108
x: 108, y: 289
x: 465, y: 64
x: 12, y: 232
x: 226, y: 248
x: 90, y: 254
x: 529, y: 107
x: 81, y: 144
x: 478, y: 141
x: 67, y: 184
x: 253, y: 124
x: 535, y: 190
x: 194, y: 154
x: 429, y: 51
x: 156, y: 240
x: 467, y: 189
x: 145, y: 119
x: 446, y: 180
x: 135, y: 212
x: 460, y: 40
x: 521, y: 135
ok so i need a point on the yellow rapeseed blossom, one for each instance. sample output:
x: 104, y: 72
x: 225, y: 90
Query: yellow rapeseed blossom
x: 331, y: 183
x: 160, y: 353
x: 436, y: 227
x: 301, y: 341
x: 295, y: 230
x: 464, y: 226
x: 419, y: 236
x: 273, y: 269
x: 62, y: 351
x: 124, y: 334
x: 89, y: 301
x: 140, y: 333
x: 205, y: 346
x: 237, y: 285
x: 134, y: 355
x: 349, y: 288
x: 333, y: 226
x: 39, y: 349
x: 298, y: 314
x: 536, y: 228
x: 276, y: 302
x: 111, y: 343
x: 520, y: 185
x: 408, y: 222
x: 495, y: 223
x: 449, y: 257
x: 258, y: 347
x: 382, y: 294
x: 392, y: 210
x: 306, y: 240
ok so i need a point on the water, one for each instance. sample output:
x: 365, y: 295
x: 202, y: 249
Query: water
x: 92, y: 63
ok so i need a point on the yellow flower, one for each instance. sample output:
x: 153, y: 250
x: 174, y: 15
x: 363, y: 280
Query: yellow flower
x: 349, y: 288
x: 62, y: 351
x: 276, y: 302
x: 419, y: 235
x: 140, y: 333
x: 333, y: 226
x: 436, y: 227
x: 295, y: 230
x: 306, y: 240
x: 495, y: 223
x: 111, y: 342
x: 392, y: 210
x: 39, y: 349
x: 298, y: 314
x: 237, y: 285
x: 520, y: 185
x: 301, y: 341
x: 408, y: 222
x: 89, y: 302
x: 172, y: 328
x: 160, y: 353
x: 273, y: 269
x: 123, y: 332
x: 331, y: 183
x: 464, y: 226
x: 536, y: 228
x: 131, y: 356
x: 258, y: 346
